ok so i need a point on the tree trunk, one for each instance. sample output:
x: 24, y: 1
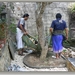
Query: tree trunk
x: 41, y: 38
x: 40, y: 28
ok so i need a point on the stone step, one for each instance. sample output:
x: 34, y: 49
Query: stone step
x: 71, y: 64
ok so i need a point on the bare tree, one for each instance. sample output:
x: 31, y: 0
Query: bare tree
x: 40, y: 27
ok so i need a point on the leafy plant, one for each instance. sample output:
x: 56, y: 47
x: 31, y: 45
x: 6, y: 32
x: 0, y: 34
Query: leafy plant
x: 12, y: 28
x: 2, y: 31
x: 2, y: 8
x: 72, y: 11
x: 73, y: 8
x: 2, y: 23
x: 36, y: 36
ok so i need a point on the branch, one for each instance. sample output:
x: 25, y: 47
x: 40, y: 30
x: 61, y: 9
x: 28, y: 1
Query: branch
x: 41, y: 8
x: 44, y: 4
x: 38, y: 9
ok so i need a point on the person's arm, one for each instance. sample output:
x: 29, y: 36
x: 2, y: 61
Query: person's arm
x: 21, y: 27
x: 51, y: 30
x: 23, y: 30
x: 52, y: 27
x: 66, y: 32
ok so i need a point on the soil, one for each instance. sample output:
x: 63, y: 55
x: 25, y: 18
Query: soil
x: 19, y: 61
x: 33, y: 61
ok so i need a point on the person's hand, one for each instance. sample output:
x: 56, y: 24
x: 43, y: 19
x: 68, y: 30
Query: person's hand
x: 66, y: 37
x: 25, y: 33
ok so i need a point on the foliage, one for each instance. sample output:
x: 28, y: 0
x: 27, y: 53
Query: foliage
x: 69, y: 43
x: 2, y: 30
x: 2, y: 8
x: 73, y: 8
x: 2, y: 23
x: 31, y: 43
x: 36, y: 36
x: 12, y: 28
x: 66, y: 43
x: 72, y: 11
x: 72, y: 42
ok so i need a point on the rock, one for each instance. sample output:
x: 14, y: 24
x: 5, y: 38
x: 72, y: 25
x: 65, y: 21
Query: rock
x: 73, y: 48
x: 63, y: 65
x: 29, y: 51
x: 71, y: 64
x: 72, y: 54
x: 5, y: 59
x: 15, y: 67
x: 11, y: 48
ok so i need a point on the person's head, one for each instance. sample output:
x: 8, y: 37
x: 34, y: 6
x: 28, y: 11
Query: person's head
x: 58, y: 15
x: 26, y: 16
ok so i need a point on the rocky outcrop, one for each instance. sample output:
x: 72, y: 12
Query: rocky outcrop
x: 5, y: 58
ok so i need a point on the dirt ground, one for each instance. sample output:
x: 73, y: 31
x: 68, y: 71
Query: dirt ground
x: 19, y: 61
x: 33, y: 61
x: 30, y: 62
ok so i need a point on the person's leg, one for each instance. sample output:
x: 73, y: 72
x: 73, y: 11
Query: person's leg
x: 19, y: 51
x: 57, y: 55
x: 20, y: 45
x: 22, y: 50
x: 55, y: 45
x: 60, y: 54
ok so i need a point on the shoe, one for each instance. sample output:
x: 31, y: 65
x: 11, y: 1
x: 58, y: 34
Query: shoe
x: 54, y: 57
x: 21, y: 54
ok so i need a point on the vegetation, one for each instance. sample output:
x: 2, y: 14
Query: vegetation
x: 12, y: 28
x: 2, y: 31
x: 2, y: 24
x: 73, y: 8
x: 72, y: 12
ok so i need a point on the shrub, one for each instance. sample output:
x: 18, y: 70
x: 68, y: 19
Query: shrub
x: 12, y: 28
x: 2, y: 31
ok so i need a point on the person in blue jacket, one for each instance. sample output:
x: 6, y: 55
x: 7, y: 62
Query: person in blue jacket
x: 57, y: 27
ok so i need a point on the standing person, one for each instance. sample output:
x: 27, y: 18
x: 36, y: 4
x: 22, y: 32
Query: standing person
x: 56, y: 29
x: 20, y: 32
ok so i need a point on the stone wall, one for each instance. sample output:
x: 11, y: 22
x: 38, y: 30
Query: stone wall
x: 17, y: 9
x: 5, y: 59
